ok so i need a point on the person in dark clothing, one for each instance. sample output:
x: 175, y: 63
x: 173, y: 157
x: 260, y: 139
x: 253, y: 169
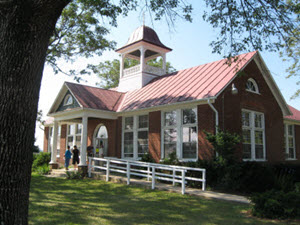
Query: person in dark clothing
x: 76, y: 153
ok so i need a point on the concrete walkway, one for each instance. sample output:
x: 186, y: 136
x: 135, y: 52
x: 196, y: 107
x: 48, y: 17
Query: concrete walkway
x: 161, y: 186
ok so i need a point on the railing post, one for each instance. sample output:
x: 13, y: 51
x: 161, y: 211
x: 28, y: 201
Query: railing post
x: 153, y: 177
x: 90, y: 166
x: 174, y: 173
x: 204, y: 179
x: 183, y: 182
x: 107, y: 169
x: 148, y: 173
x: 128, y: 173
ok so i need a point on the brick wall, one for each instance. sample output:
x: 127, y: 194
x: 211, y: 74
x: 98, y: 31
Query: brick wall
x: 230, y: 106
x: 155, y: 135
x: 206, y: 122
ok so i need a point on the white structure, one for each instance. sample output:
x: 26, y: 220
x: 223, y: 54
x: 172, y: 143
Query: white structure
x: 143, y: 45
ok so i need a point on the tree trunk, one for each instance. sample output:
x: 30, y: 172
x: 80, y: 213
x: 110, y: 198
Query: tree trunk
x: 25, y: 29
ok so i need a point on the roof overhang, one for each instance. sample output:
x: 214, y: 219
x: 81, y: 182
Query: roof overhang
x: 290, y: 121
x: 134, y: 46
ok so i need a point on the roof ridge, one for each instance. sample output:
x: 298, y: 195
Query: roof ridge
x: 67, y: 82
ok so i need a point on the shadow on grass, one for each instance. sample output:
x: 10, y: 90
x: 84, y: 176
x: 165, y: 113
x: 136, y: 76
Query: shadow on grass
x: 61, y: 201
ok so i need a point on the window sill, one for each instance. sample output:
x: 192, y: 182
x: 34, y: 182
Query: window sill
x: 291, y: 159
x: 255, y: 160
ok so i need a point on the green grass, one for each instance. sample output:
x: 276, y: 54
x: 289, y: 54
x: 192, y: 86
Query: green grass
x: 61, y: 201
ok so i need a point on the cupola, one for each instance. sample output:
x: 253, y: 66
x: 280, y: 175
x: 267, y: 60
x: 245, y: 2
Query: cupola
x: 143, y: 45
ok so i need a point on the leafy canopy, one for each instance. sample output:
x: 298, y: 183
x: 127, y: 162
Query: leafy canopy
x: 109, y: 71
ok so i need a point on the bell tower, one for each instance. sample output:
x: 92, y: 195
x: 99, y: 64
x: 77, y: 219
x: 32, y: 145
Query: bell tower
x: 142, y: 45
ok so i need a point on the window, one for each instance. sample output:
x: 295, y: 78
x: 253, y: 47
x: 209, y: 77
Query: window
x: 170, y: 133
x: 289, y: 141
x: 253, y: 135
x: 251, y: 86
x: 74, y: 135
x: 50, y: 139
x: 135, y: 136
x: 68, y: 100
x: 179, y: 130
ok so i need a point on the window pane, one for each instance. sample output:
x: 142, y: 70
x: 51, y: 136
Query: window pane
x: 128, y: 144
x: 78, y: 142
x: 291, y: 142
x: 50, y: 131
x: 246, y: 151
x: 78, y: 128
x: 169, y: 148
x: 170, y: 118
x: 246, y: 119
x: 143, y: 121
x: 259, y: 152
x: 128, y: 123
x: 170, y: 135
x: 291, y: 153
x: 259, y: 137
x: 258, y: 120
x: 70, y: 141
x: 189, y: 134
x: 290, y: 130
x: 71, y: 129
x: 142, y: 143
x: 189, y: 150
x: 246, y: 137
x: 189, y: 116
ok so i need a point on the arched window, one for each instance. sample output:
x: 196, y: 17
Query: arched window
x: 68, y: 100
x: 251, y: 86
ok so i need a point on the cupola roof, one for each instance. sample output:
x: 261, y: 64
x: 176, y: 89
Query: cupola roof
x: 144, y: 33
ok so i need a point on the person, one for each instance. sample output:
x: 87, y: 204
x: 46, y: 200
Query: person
x: 76, y: 153
x: 101, y: 150
x: 67, y: 157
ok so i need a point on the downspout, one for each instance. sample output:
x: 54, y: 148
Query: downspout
x: 216, y: 113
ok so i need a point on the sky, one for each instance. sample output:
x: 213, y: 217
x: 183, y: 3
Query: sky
x: 190, y: 44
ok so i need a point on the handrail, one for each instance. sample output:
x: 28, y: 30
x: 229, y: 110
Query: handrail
x: 115, y: 165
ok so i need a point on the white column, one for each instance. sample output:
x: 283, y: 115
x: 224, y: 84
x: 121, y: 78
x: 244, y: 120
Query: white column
x: 142, y: 58
x: 54, y: 143
x: 83, y: 141
x: 164, y: 63
x: 122, y: 65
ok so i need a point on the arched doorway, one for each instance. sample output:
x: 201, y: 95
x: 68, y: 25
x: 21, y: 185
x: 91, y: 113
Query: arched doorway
x: 100, y: 140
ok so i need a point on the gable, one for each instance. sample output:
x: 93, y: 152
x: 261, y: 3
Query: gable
x: 66, y: 104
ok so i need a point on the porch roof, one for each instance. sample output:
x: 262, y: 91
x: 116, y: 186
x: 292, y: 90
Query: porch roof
x: 295, y: 114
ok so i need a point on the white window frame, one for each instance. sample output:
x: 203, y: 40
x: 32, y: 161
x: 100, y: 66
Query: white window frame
x: 252, y: 129
x: 254, y: 84
x: 179, y: 126
x: 74, y: 135
x: 287, y: 136
x: 135, y: 129
x: 67, y: 99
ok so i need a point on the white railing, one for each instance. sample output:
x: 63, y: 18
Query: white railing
x: 130, y: 71
x: 154, y: 171
x: 154, y: 70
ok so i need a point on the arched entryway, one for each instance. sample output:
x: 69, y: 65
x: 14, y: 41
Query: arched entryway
x: 100, y: 140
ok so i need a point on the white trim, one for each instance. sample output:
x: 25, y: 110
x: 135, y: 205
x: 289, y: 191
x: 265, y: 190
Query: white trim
x: 254, y: 84
x: 179, y: 129
x: 252, y: 129
x: 286, y: 137
x: 66, y: 99
x: 135, y: 131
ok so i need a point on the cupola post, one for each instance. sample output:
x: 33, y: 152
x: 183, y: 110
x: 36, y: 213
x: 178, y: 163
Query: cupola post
x: 143, y: 45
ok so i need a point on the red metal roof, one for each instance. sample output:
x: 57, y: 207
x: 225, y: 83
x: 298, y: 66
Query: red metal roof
x: 96, y: 98
x: 295, y: 114
x: 195, y: 83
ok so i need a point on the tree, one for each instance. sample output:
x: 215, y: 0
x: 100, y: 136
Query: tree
x: 27, y: 27
x: 247, y: 25
x: 109, y: 71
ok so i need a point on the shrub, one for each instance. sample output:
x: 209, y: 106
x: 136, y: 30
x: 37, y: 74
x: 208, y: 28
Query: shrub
x: 75, y: 175
x: 41, y: 159
x: 224, y: 144
x: 147, y: 158
x: 171, y: 160
x: 43, y: 170
x: 276, y: 204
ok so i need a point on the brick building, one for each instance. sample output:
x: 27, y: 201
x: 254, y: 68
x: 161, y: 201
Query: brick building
x: 151, y: 111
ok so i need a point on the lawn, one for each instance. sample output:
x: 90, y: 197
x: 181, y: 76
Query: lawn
x: 61, y: 201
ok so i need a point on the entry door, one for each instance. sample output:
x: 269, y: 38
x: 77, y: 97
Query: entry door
x: 101, y: 137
